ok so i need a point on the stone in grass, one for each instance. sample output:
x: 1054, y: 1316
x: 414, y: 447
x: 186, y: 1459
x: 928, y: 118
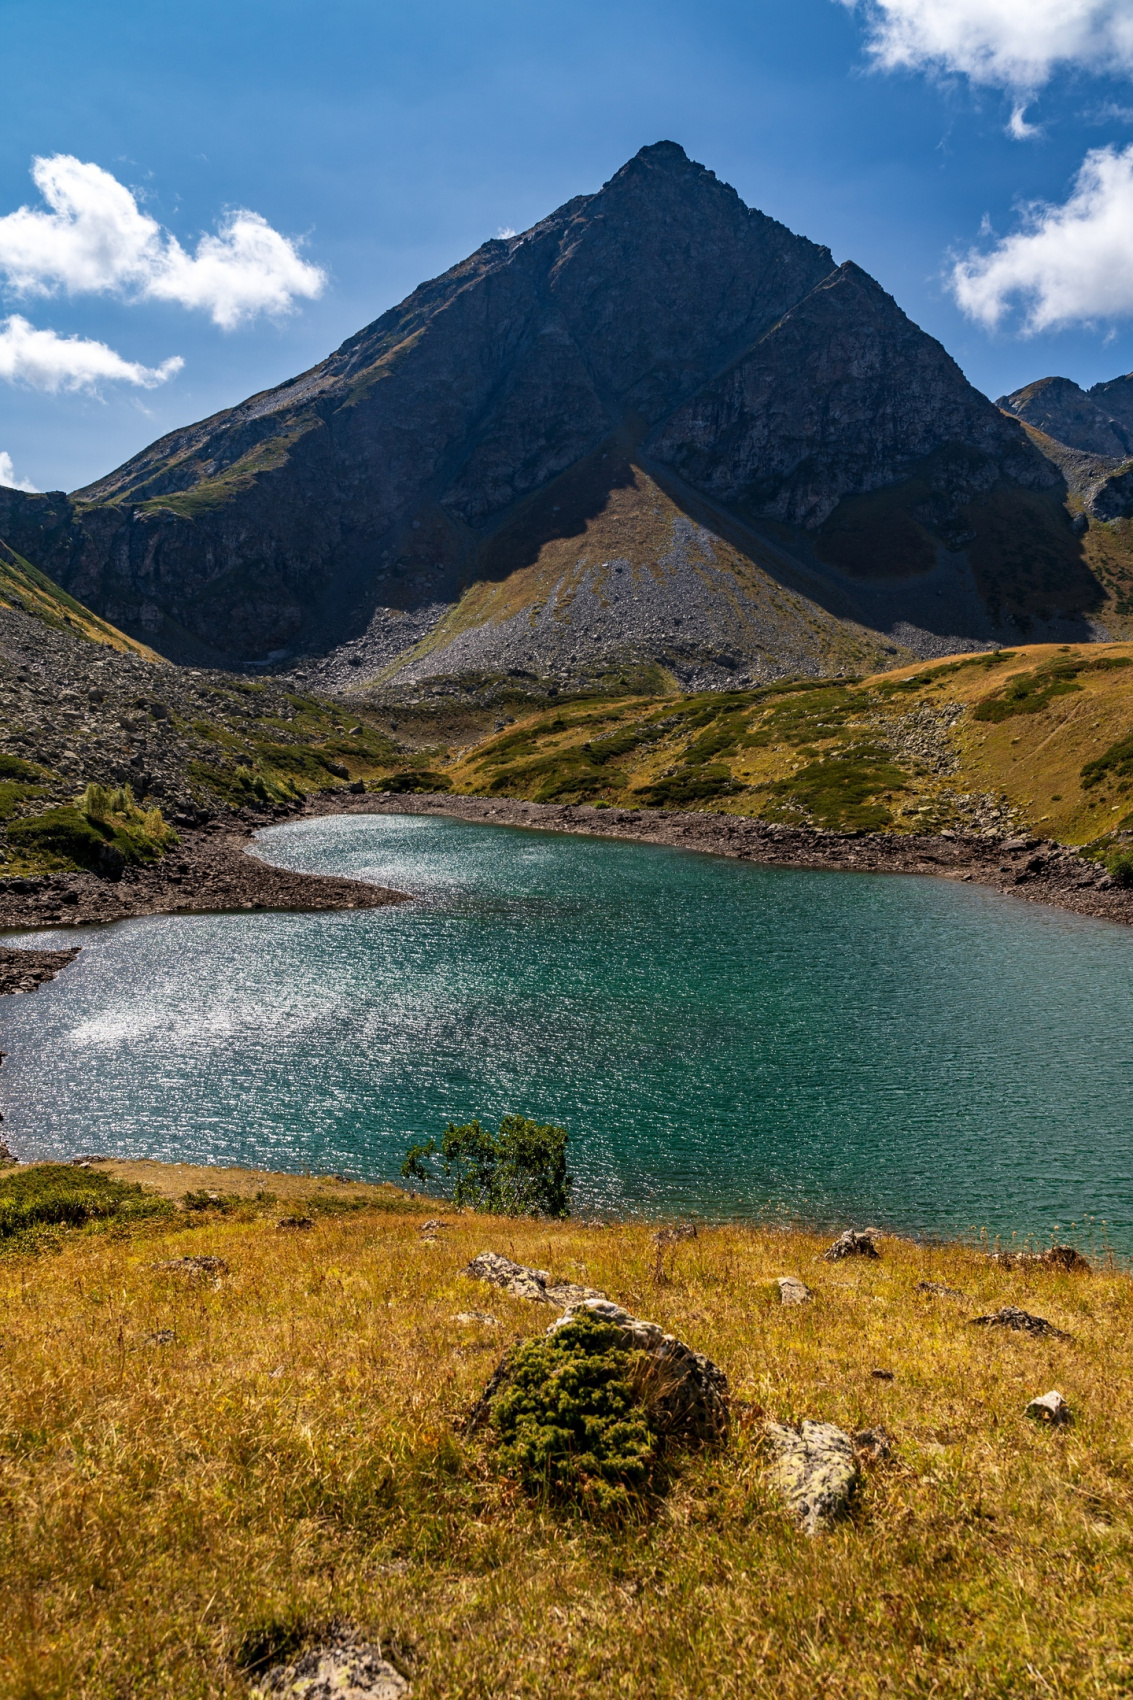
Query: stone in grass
x: 195, y: 1265
x: 792, y: 1291
x: 815, y: 1470
x: 472, y: 1318
x: 872, y: 1445
x: 1021, y: 1321
x: 538, y: 1285
x: 1050, y: 1408
x: 855, y: 1242
x: 937, y: 1290
x: 342, y: 1668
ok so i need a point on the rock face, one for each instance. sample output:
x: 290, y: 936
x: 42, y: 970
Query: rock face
x: 657, y: 427
x: 815, y: 1470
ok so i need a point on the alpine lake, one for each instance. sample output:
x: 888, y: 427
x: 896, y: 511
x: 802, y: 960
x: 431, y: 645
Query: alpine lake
x: 721, y: 1040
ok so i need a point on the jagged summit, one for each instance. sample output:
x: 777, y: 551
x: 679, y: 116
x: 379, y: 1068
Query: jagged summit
x: 658, y: 427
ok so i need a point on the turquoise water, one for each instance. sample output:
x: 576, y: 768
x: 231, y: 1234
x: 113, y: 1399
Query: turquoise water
x: 718, y: 1038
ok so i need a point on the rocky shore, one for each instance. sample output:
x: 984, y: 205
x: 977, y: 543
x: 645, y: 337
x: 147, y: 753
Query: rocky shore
x: 211, y: 869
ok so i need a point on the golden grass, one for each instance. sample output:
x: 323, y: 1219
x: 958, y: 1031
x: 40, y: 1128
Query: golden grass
x: 291, y: 1456
x: 1033, y: 762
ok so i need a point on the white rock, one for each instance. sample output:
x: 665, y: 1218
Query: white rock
x: 792, y: 1291
x: 1050, y: 1408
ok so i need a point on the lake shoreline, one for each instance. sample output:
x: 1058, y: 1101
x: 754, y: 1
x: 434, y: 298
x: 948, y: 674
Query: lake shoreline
x: 212, y: 871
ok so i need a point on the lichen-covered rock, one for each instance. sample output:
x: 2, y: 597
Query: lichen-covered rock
x: 815, y: 1470
x: 1065, y: 1257
x: 538, y: 1285
x: 343, y: 1668
x: 938, y: 1290
x: 855, y: 1242
x: 1020, y: 1321
x: 792, y: 1291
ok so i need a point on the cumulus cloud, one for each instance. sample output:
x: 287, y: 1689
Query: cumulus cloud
x: 49, y: 362
x: 93, y: 238
x: 8, y: 479
x: 1069, y: 264
x: 1011, y: 44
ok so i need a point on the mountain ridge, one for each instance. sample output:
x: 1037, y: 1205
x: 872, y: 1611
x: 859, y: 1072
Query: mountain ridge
x: 434, y: 474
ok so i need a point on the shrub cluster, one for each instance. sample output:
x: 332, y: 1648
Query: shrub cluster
x: 568, y: 1420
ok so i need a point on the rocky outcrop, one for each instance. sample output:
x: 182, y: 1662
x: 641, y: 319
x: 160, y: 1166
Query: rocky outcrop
x: 1020, y: 1322
x: 640, y: 432
x: 537, y: 1285
x: 342, y: 1667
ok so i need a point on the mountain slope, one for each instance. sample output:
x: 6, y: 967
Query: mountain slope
x: 656, y: 388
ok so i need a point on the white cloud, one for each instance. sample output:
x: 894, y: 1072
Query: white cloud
x: 96, y: 240
x: 46, y: 361
x: 1071, y: 264
x: 1012, y: 44
x: 8, y: 479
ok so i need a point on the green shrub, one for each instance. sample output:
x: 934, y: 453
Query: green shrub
x: 59, y: 835
x: 568, y: 1420
x: 11, y: 767
x: 521, y: 1171
x: 420, y: 779
x: 1120, y: 866
x: 58, y: 1194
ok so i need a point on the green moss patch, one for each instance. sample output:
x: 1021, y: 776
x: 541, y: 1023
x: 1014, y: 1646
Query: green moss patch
x: 58, y: 1195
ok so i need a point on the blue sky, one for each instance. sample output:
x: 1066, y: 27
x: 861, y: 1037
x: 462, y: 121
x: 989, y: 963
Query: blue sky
x: 380, y: 143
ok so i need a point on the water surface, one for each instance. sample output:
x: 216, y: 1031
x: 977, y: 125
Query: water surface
x: 718, y: 1037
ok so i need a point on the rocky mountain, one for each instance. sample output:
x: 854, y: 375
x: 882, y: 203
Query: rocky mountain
x: 1097, y: 426
x: 658, y: 428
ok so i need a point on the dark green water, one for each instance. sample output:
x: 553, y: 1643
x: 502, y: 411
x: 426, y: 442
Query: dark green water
x: 717, y: 1037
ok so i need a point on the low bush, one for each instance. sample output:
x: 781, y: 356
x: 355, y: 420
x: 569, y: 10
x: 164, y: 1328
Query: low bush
x: 48, y: 1194
x: 1120, y: 866
x: 568, y: 1420
x: 521, y: 1171
x: 420, y: 779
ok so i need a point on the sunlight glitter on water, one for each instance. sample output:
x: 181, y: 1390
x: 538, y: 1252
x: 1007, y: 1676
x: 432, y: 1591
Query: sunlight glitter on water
x: 718, y: 1037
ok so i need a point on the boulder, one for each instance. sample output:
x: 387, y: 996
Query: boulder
x: 855, y: 1242
x: 686, y: 1394
x: 1021, y: 1321
x: 872, y: 1445
x: 538, y: 1285
x: 815, y: 1469
x: 1063, y: 1257
x: 1050, y: 1408
x: 792, y: 1291
x: 343, y: 1668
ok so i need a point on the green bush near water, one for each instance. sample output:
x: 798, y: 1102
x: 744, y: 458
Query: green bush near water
x: 56, y: 1194
x: 569, y: 1422
x: 521, y: 1171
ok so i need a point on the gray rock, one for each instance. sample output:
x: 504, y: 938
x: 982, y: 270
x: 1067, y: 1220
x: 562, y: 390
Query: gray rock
x: 937, y: 1290
x: 855, y: 1242
x: 792, y: 1291
x: 481, y: 1318
x: 341, y: 1669
x: 815, y: 1470
x: 1020, y: 1321
x: 538, y: 1285
x: 1050, y: 1408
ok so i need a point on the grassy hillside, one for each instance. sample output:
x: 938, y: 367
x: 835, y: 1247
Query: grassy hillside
x: 23, y: 586
x: 1033, y: 737
x: 199, y: 1469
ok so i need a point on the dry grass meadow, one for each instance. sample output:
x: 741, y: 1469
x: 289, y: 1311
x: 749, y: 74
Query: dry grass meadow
x: 196, y: 1470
